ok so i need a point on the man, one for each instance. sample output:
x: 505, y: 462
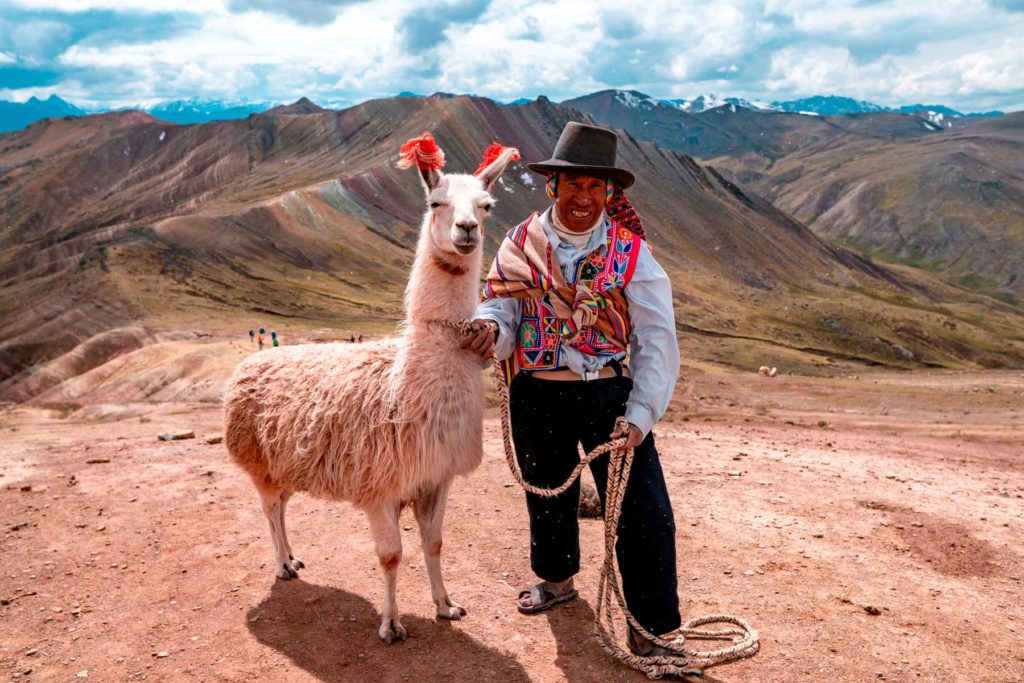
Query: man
x: 570, y: 290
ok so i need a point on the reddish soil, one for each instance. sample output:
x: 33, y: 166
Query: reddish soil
x: 870, y: 528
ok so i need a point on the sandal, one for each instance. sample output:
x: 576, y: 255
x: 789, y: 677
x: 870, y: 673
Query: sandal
x: 641, y: 647
x: 544, y: 595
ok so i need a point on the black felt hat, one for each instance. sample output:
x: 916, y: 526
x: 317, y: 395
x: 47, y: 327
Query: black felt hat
x: 588, y: 150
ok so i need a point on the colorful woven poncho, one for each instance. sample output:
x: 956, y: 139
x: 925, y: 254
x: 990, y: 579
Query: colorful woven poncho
x: 525, y: 267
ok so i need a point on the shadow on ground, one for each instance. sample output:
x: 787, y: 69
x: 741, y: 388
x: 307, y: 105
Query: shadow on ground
x: 332, y: 634
x: 580, y: 654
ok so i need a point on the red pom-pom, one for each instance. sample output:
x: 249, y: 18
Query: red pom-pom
x: 491, y: 154
x: 423, y: 152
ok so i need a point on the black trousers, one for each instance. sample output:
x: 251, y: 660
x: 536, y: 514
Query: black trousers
x: 549, y: 421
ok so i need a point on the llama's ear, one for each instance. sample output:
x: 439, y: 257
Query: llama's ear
x: 496, y: 158
x: 431, y: 178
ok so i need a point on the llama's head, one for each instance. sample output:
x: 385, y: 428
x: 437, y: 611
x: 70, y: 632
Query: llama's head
x: 457, y: 203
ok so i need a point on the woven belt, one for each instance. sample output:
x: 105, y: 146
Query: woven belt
x: 613, y: 369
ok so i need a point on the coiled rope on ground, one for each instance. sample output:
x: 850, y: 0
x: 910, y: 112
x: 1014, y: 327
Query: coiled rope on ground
x: 682, y: 658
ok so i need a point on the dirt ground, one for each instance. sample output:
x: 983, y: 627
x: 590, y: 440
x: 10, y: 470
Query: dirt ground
x: 870, y: 527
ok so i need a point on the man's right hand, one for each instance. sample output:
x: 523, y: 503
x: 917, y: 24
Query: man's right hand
x: 481, y: 338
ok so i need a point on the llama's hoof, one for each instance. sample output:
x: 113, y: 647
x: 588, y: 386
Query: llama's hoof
x: 451, y: 611
x: 391, y: 630
x: 297, y: 564
x: 286, y: 572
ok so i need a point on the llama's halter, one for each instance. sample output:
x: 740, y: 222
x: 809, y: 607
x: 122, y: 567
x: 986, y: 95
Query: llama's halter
x: 744, y: 639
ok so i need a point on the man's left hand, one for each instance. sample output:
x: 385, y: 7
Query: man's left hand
x: 633, y: 436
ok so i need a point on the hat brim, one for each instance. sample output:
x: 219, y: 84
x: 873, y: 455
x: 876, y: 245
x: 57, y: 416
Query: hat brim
x: 621, y: 176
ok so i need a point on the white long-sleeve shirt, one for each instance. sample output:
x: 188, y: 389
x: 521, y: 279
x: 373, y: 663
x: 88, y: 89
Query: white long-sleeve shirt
x: 654, y: 362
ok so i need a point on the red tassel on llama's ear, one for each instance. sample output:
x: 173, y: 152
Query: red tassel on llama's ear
x: 423, y: 152
x: 492, y: 153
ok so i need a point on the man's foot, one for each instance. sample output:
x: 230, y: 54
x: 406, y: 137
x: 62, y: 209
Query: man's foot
x: 642, y: 647
x: 545, y: 595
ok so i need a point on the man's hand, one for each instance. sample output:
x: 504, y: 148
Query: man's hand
x: 481, y: 338
x: 633, y: 436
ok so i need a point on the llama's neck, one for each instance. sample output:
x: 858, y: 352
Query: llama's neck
x: 442, y: 286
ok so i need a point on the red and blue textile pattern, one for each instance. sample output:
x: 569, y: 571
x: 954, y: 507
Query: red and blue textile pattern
x: 542, y: 334
x: 621, y: 210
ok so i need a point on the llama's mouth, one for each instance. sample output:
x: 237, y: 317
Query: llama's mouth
x: 466, y: 248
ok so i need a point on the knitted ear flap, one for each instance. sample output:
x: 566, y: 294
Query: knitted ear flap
x: 620, y: 209
x: 552, y: 185
x: 609, y: 190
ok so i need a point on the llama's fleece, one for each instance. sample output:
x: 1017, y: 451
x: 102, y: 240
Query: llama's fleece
x: 342, y: 421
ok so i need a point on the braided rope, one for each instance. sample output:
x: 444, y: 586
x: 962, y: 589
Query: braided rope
x: 682, y: 659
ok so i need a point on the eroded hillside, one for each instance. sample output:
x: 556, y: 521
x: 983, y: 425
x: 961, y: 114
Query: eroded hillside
x: 300, y: 216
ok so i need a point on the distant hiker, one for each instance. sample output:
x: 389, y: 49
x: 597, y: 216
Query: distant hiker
x: 275, y: 341
x: 352, y: 339
x: 260, y: 339
x: 262, y: 331
x: 252, y: 336
x: 565, y: 336
x: 360, y: 339
x: 273, y: 335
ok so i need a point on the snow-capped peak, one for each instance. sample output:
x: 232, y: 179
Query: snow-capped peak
x: 634, y: 99
x: 713, y: 101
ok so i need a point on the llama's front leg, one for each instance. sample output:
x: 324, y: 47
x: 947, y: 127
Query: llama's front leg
x: 388, y: 540
x: 296, y: 564
x: 273, y: 507
x: 430, y: 505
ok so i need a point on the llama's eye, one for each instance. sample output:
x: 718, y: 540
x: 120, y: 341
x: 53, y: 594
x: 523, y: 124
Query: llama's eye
x: 435, y: 205
x: 488, y: 207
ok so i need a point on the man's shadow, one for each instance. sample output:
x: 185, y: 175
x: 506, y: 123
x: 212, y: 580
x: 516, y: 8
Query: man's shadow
x: 332, y: 634
x: 580, y: 654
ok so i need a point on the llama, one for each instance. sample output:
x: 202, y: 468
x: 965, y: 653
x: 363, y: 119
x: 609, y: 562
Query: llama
x: 385, y: 423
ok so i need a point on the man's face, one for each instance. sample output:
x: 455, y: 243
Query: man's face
x: 579, y: 201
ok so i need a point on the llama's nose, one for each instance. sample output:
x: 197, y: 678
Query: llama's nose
x: 468, y: 226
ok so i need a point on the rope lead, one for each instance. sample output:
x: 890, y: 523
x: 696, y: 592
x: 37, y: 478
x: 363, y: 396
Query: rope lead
x: 744, y: 638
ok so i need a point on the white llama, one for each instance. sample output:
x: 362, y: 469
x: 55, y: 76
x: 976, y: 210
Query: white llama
x: 386, y: 423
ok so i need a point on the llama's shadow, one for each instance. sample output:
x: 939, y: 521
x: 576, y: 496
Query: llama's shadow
x: 580, y: 654
x: 332, y: 635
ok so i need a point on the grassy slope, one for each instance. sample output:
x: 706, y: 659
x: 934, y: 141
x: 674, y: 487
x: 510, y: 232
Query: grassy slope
x: 952, y: 203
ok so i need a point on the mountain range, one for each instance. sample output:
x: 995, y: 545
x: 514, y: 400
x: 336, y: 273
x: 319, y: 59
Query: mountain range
x: 940, y: 193
x: 15, y: 115
x: 832, y: 105
x: 300, y: 216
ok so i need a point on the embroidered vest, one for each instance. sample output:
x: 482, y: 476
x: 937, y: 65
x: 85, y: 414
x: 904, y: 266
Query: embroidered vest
x: 541, y: 335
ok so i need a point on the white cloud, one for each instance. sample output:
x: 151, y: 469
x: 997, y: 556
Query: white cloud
x: 958, y: 53
x: 199, y: 6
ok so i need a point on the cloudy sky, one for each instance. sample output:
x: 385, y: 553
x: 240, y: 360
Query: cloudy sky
x: 967, y: 54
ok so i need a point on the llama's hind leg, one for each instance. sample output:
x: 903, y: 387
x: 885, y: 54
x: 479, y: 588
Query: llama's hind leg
x: 273, y: 508
x: 430, y: 505
x: 295, y: 563
x: 388, y: 541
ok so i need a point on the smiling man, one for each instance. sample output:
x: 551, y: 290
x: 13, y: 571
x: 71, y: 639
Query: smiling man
x: 571, y: 290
